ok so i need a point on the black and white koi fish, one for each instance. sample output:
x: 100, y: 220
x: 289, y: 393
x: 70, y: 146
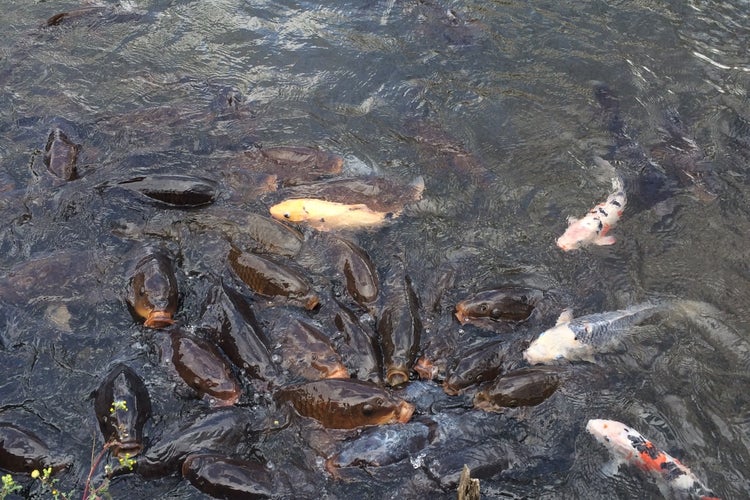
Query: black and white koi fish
x: 629, y: 446
x: 593, y: 228
x: 579, y: 338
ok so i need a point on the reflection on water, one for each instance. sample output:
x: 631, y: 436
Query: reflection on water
x: 492, y: 104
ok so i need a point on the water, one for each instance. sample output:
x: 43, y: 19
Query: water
x: 492, y: 103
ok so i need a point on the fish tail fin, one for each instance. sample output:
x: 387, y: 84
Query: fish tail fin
x: 418, y: 186
x: 696, y: 308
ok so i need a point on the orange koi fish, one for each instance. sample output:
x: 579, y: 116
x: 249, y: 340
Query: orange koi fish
x: 629, y: 445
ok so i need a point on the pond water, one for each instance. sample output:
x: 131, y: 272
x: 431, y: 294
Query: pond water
x: 493, y: 105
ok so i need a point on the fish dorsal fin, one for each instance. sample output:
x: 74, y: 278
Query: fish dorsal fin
x: 565, y: 317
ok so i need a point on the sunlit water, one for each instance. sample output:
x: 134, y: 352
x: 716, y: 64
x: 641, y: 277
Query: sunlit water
x: 492, y: 103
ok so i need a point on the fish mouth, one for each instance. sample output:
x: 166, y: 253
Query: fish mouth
x: 450, y: 389
x: 482, y: 403
x: 426, y: 369
x: 312, y: 302
x: 127, y: 449
x: 460, y: 316
x: 331, y: 467
x: 396, y: 377
x: 404, y: 412
x: 158, y: 319
x: 220, y: 401
x: 339, y: 371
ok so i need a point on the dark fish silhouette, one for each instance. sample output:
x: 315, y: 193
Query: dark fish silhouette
x: 122, y: 407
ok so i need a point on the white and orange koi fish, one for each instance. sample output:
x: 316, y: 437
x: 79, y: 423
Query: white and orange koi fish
x: 629, y: 446
x: 593, y: 228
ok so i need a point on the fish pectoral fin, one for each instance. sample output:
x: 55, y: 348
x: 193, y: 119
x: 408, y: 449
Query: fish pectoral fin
x: 612, y: 467
x: 605, y: 240
x: 565, y: 317
x: 587, y: 355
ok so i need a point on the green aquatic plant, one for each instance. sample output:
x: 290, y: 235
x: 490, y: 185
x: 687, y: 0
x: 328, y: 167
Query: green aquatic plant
x: 9, y: 486
x: 49, y: 485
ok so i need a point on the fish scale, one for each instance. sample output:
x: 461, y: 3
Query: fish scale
x: 597, y: 329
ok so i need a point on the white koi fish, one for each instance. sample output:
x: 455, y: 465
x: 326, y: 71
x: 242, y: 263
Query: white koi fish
x: 629, y: 446
x: 579, y: 338
x: 593, y: 228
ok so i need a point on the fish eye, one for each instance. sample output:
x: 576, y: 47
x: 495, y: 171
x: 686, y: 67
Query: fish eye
x: 367, y: 410
x: 314, y: 357
x: 286, y: 215
x: 379, y: 402
x: 483, y: 308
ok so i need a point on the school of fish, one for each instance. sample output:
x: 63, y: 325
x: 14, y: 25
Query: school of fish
x: 270, y: 336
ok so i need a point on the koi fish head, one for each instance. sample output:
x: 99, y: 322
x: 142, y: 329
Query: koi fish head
x: 556, y: 343
x: 290, y: 210
x: 614, y: 436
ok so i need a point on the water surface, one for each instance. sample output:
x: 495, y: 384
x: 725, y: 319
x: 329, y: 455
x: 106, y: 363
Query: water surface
x: 492, y: 104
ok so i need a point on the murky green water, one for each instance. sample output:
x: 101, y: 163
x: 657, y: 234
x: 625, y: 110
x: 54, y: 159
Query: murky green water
x: 492, y: 103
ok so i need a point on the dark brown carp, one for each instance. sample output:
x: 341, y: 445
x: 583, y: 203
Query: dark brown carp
x: 524, y: 387
x: 237, y: 332
x: 250, y: 231
x: 203, y: 367
x: 399, y: 326
x: 480, y: 364
x: 348, y: 261
x: 179, y: 191
x: 23, y: 451
x: 122, y: 406
x: 381, y: 446
x: 360, y: 350
x: 508, y: 303
x: 360, y: 274
x: 346, y: 404
x: 266, y: 277
x: 60, y: 155
x: 292, y: 165
x: 57, y: 277
x: 271, y: 235
x: 220, y: 430
x: 224, y: 477
x: 152, y: 291
x: 64, y: 17
x: 306, y: 351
